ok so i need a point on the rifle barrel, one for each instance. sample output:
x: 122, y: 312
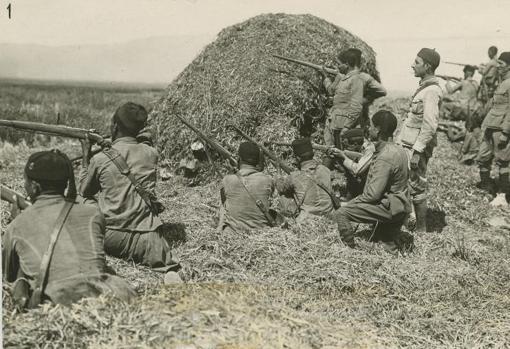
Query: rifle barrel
x: 308, y: 64
x: 351, y: 154
x: 13, y: 197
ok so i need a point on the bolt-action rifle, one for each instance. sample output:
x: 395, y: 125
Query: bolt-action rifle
x: 317, y: 67
x: 461, y: 64
x: 210, y: 141
x: 18, y: 202
x: 324, y: 148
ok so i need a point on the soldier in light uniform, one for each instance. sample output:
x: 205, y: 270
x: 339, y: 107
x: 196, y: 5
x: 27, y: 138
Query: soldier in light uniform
x: 418, y: 132
x: 496, y: 128
x: 385, y: 200
x: 77, y: 265
x: 310, y: 186
x: 239, y: 210
x: 490, y: 75
x: 134, y: 230
x: 466, y: 103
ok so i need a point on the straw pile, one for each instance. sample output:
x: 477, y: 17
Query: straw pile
x: 236, y: 79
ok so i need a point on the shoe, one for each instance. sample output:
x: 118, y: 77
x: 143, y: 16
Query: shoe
x: 499, y: 201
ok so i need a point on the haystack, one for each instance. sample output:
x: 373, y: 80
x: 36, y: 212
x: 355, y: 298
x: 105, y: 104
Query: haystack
x: 235, y: 79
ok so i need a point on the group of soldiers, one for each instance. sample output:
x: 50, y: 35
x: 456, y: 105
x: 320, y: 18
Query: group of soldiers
x: 55, y: 249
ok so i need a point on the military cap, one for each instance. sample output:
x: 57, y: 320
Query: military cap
x: 505, y: 57
x: 430, y: 56
x: 131, y: 116
x: 386, y: 121
x: 249, y: 153
x: 353, y: 134
x: 302, y: 147
x: 50, y: 165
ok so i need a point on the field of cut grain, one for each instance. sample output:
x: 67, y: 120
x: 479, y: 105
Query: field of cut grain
x: 297, y: 288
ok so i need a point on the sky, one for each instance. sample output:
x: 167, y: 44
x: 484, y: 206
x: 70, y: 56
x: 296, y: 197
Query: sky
x: 460, y: 30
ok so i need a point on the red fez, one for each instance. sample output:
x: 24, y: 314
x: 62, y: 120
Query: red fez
x: 131, y: 116
x: 430, y: 56
x: 249, y: 153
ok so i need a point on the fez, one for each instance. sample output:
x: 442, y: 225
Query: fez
x: 249, y: 153
x: 48, y: 166
x: 386, y: 121
x: 131, y: 116
x: 353, y: 133
x: 430, y: 56
x: 505, y: 57
x: 303, y: 148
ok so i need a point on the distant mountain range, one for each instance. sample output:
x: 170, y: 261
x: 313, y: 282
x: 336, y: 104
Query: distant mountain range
x: 155, y: 60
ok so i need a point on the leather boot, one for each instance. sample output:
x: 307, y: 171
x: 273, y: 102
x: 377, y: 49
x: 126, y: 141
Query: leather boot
x: 486, y: 182
x: 421, y: 216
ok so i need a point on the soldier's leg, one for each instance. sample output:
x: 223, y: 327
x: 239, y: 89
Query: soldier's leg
x: 503, y: 161
x: 329, y: 141
x: 484, y: 161
x: 418, y: 185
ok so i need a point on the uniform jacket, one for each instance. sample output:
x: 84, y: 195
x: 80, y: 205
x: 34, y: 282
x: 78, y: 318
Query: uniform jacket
x: 241, y: 211
x: 490, y: 72
x: 387, y: 180
x: 123, y: 207
x: 347, y: 91
x: 78, y: 260
x: 359, y: 167
x: 419, y: 128
x: 498, y: 117
x: 310, y: 196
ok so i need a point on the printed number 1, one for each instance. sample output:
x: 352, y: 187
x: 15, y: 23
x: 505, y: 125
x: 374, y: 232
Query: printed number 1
x: 9, y: 10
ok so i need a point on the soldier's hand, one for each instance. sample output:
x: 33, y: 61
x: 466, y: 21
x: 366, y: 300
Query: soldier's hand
x: 415, y: 160
x: 503, y: 141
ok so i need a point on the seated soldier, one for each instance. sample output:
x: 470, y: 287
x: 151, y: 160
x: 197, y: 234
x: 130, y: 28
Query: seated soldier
x: 125, y: 178
x: 310, y: 186
x: 385, y: 200
x: 54, y: 249
x: 245, y: 195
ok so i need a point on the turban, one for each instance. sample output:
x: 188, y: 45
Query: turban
x: 505, y: 57
x: 131, y: 116
x: 430, y: 56
x: 249, y: 153
x: 303, y: 148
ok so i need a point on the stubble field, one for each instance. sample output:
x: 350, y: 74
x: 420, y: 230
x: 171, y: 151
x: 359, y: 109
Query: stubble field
x: 295, y: 288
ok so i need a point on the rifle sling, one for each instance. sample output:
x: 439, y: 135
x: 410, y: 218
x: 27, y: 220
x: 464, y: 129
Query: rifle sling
x: 259, y: 203
x: 46, y: 259
x: 123, y: 167
x: 332, y: 196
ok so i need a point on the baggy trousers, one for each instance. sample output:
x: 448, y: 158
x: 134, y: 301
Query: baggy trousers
x: 490, y: 151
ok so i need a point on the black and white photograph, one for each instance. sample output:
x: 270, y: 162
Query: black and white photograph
x: 220, y: 174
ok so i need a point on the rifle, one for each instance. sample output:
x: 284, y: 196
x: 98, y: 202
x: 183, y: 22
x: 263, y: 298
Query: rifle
x: 444, y: 125
x: 274, y: 159
x: 324, y: 148
x: 210, y: 141
x: 18, y: 201
x: 460, y: 64
x: 55, y: 130
x: 448, y: 77
x: 92, y: 153
x: 309, y: 65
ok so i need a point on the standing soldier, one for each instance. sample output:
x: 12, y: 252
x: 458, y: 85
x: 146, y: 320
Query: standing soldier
x: 418, y: 132
x: 496, y: 127
x: 385, y: 198
x: 311, y: 185
x: 124, y: 175
x: 54, y: 249
x: 245, y: 195
x: 465, y: 105
x: 490, y: 76
x: 347, y: 91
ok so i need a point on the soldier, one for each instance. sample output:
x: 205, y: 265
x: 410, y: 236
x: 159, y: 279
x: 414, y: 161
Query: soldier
x: 418, y: 132
x: 466, y: 104
x: 245, y: 195
x: 347, y: 91
x: 124, y: 175
x: 385, y: 199
x: 496, y: 128
x: 54, y: 249
x: 490, y: 76
x: 310, y: 186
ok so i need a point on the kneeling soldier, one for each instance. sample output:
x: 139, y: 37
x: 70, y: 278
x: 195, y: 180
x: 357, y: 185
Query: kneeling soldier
x: 245, y: 195
x: 385, y: 200
x: 54, y: 249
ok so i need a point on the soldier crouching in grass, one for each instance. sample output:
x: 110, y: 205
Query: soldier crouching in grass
x: 54, y: 249
x: 245, y: 195
x: 124, y: 175
x: 385, y: 200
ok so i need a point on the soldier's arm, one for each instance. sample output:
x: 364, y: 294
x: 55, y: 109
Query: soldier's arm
x: 377, y: 180
x: 361, y: 166
x: 430, y: 119
x: 506, y: 122
x: 374, y: 90
x: 330, y: 86
x: 10, y: 259
x: 88, y: 179
x: 454, y: 88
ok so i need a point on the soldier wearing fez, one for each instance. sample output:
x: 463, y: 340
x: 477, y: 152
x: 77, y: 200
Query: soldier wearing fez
x: 53, y: 251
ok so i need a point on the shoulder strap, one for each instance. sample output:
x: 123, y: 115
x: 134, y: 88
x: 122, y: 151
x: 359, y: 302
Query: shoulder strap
x: 259, y: 203
x: 46, y: 259
x: 333, y: 198
x: 424, y: 86
x: 124, y: 169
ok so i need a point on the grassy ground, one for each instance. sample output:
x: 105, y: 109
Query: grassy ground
x: 300, y: 288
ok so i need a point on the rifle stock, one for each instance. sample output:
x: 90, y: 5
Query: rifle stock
x: 212, y: 143
x: 274, y: 159
x: 308, y: 64
x: 14, y: 197
x: 56, y: 130
x: 320, y: 147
